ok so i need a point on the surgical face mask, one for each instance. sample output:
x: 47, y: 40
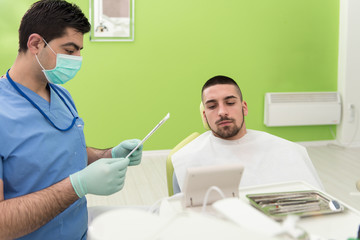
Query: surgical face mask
x: 66, y: 67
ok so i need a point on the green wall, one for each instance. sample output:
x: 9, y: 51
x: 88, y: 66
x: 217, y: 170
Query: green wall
x: 125, y: 88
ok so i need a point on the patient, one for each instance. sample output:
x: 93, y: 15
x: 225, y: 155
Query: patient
x: 266, y: 158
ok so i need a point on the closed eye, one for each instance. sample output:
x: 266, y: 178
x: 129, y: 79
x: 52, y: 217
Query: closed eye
x: 211, y: 106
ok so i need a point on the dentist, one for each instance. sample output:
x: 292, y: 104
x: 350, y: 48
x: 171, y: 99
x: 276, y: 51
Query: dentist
x: 46, y: 169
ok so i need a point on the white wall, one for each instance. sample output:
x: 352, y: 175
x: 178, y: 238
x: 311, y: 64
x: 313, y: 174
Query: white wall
x: 348, y: 133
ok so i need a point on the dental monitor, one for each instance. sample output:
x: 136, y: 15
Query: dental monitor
x: 199, y: 179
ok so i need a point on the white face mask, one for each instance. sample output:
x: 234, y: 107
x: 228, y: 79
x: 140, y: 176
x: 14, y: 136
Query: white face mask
x: 66, y: 67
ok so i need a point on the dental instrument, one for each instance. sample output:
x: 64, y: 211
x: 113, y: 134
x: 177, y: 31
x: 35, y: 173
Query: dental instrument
x: 150, y: 133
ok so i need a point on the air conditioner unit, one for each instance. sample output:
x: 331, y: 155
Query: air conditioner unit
x: 302, y: 108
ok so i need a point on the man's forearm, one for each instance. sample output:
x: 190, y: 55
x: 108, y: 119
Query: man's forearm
x: 95, y: 154
x: 22, y: 215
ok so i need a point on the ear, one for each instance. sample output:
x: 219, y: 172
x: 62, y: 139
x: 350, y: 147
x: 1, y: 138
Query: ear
x: 203, y: 116
x: 202, y: 110
x: 245, y: 108
x: 35, y: 43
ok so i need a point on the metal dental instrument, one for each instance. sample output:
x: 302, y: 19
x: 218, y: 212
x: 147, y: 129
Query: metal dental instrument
x: 150, y: 133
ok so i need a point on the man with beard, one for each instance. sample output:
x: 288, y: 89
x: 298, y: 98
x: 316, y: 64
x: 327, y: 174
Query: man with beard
x: 266, y: 158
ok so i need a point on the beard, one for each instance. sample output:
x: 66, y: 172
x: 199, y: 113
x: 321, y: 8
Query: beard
x: 228, y: 131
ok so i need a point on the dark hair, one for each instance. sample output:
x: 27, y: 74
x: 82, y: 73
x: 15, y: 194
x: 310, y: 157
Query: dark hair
x: 221, y: 80
x: 50, y: 18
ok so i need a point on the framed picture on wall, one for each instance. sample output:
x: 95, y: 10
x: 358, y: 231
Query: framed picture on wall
x: 112, y: 20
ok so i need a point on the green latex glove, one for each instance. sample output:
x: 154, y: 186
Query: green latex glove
x: 103, y: 177
x: 125, y: 147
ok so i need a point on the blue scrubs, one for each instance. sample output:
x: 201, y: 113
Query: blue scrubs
x: 34, y: 155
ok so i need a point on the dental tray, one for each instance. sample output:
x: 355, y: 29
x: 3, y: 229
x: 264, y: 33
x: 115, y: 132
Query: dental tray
x: 302, y: 203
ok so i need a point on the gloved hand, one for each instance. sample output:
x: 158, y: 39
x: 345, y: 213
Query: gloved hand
x: 125, y: 147
x: 103, y: 177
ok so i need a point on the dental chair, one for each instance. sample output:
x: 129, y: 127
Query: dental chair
x: 169, y: 165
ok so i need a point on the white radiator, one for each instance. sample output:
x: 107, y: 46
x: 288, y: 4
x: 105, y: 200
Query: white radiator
x: 302, y: 108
